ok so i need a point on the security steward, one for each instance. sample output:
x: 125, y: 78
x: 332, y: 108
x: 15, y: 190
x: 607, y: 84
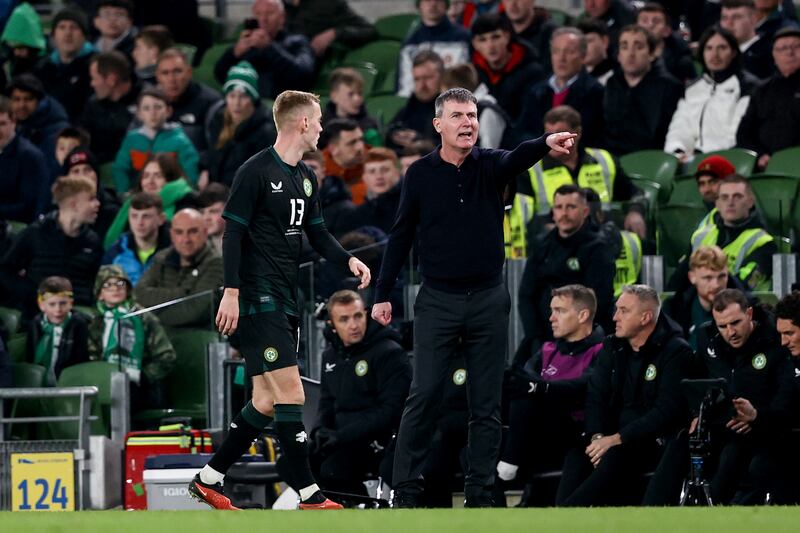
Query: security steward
x: 633, y: 405
x: 365, y: 379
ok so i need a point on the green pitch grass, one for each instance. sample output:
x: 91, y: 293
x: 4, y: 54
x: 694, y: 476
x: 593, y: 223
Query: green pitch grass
x: 635, y: 520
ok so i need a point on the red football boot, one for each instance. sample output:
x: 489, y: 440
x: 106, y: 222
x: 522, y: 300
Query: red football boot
x: 327, y: 505
x: 211, y: 495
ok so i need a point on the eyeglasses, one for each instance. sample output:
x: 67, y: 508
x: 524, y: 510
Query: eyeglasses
x: 786, y: 49
x: 118, y: 284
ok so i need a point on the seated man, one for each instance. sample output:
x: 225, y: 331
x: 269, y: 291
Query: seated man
x: 58, y: 335
x: 739, y: 18
x: 114, y: 22
x: 138, y: 344
x: 531, y: 25
x: 283, y: 60
x: 550, y: 391
x: 737, y: 229
x: 187, y: 267
x: 81, y: 162
x: 364, y: 386
x: 769, y: 124
x: 671, y: 49
x: 435, y: 33
x: 25, y: 177
x: 382, y: 179
x: 570, y: 85
x: 150, y: 42
x: 571, y: 253
x: 413, y: 122
x: 615, y: 14
x: 344, y: 155
x: 59, y: 244
x: 326, y: 22
x: 639, y: 99
x: 633, y: 403
x: 134, y: 250
x: 597, y: 62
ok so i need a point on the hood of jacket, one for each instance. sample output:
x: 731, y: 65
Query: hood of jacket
x: 24, y: 28
x: 48, y: 112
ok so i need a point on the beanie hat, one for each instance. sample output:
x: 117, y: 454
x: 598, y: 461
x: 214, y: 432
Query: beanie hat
x: 75, y: 15
x: 244, y: 76
x: 80, y: 156
x: 107, y: 272
x: 715, y: 165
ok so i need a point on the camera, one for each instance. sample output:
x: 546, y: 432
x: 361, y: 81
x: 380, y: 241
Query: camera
x: 250, y: 24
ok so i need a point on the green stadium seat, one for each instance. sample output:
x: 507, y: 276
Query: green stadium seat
x: 561, y: 18
x: 743, y: 160
x: 16, y: 346
x: 204, y: 73
x: 10, y: 319
x: 387, y: 83
x: 26, y: 375
x: 655, y: 192
x: 675, y: 225
x: 368, y: 71
x: 189, y: 50
x: 384, y: 107
x: 106, y: 176
x: 785, y: 161
x: 382, y: 55
x: 776, y: 196
x: 684, y: 191
x: 396, y: 27
x: 97, y: 373
x: 654, y: 165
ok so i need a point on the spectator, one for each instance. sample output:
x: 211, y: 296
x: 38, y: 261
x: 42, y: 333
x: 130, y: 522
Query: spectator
x: 570, y: 85
x: 211, y: 202
x: 771, y: 17
x: 190, y: 101
x: 493, y: 119
x: 628, y: 417
x: 739, y: 18
x: 788, y: 320
x: 413, y: 122
x: 239, y: 127
x: 338, y: 209
x: 283, y: 60
x: 58, y: 335
x: 475, y: 8
x: 364, y: 386
x: 413, y: 152
x: 639, y: 100
x: 163, y: 176
x: 503, y: 64
x: 182, y: 19
x: 316, y: 162
x: 108, y: 113
x: 615, y: 14
x: 347, y: 101
x: 58, y: 244
x: 597, y: 61
x: 572, y: 252
x: 67, y: 140
x: 715, y: 102
x: 39, y: 117
x: 769, y: 124
x: 114, y: 22
x: 138, y: 344
x: 435, y: 33
x: 531, y: 25
x: 382, y: 180
x: 134, y: 250
x: 154, y: 136
x: 710, y: 173
x: 326, y: 22
x: 737, y: 229
x: 455, y: 10
x: 672, y: 49
x: 189, y: 266
x: 150, y: 42
x: 65, y: 71
x: 24, y: 40
x: 344, y: 155
x: 549, y: 390
x: 25, y: 177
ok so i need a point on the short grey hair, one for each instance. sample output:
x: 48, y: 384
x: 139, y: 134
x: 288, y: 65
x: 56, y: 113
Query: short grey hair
x: 571, y: 30
x: 646, y: 295
x: 456, y: 94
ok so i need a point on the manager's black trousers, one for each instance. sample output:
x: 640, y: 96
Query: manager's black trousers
x: 477, y: 324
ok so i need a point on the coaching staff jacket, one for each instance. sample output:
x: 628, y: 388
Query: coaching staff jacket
x: 457, y: 216
x: 638, y: 393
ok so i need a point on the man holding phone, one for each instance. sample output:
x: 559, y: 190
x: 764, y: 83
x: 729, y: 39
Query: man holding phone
x: 283, y: 60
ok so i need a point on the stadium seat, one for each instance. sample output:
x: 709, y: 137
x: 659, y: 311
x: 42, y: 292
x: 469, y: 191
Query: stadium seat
x: 204, y: 73
x: 10, y: 319
x: 16, y: 346
x: 106, y: 176
x: 368, y: 71
x: 97, y: 373
x: 656, y: 193
x: 383, y: 55
x: 785, y: 161
x: 675, y: 225
x: 654, y: 165
x: 26, y: 375
x: 775, y: 197
x: 189, y: 50
x: 743, y: 160
x: 561, y: 18
x: 387, y: 83
x: 684, y: 191
x: 384, y: 107
x: 396, y: 27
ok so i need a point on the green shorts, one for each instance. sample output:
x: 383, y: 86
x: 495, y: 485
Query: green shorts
x: 269, y: 341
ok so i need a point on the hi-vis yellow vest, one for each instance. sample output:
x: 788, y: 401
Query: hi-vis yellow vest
x: 515, y: 223
x: 629, y: 263
x: 598, y: 175
x: 737, y: 251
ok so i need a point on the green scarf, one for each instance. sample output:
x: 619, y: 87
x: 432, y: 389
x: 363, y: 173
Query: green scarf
x: 44, y: 350
x: 123, y: 339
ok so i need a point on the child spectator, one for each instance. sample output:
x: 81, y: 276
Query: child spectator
x: 211, y: 202
x: 155, y: 136
x: 150, y: 42
x: 138, y: 343
x: 57, y: 336
x: 347, y: 101
x: 114, y: 22
x: 67, y: 140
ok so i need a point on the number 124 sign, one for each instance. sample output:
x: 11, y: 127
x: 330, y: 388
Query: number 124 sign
x: 42, y: 482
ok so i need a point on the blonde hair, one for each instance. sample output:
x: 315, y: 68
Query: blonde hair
x: 711, y: 257
x: 68, y: 186
x: 288, y: 102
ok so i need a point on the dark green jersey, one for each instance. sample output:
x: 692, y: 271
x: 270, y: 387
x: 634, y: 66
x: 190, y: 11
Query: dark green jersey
x: 276, y: 203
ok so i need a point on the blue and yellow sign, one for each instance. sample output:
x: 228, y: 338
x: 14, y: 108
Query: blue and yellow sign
x: 42, y: 482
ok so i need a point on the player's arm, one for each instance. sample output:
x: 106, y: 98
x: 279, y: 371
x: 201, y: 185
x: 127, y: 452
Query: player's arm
x: 528, y: 153
x: 228, y: 314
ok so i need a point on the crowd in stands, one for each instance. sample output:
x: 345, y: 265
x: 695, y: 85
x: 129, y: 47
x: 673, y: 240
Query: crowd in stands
x: 116, y: 159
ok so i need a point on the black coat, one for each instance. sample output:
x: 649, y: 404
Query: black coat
x: 338, y: 209
x: 537, y: 35
x: 638, y: 393
x: 107, y: 122
x: 678, y: 58
x: 770, y: 122
x: 73, y: 348
x: 69, y: 84
x: 638, y: 118
x: 417, y: 116
x: 380, y: 211
x: 191, y: 110
x: 252, y: 136
x: 506, y: 89
x: 364, y: 386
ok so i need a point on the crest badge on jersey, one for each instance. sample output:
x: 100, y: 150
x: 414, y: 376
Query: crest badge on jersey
x: 759, y: 361
x: 650, y: 373
x: 271, y: 354
x: 573, y: 264
x: 307, y: 187
x: 362, y: 368
x: 460, y: 376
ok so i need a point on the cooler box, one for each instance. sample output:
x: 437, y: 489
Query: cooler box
x: 139, y: 445
x: 166, y: 481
